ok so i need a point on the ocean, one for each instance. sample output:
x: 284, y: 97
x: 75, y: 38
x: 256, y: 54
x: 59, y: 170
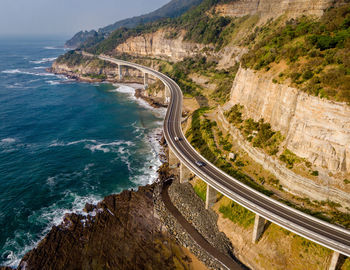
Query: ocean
x: 63, y: 143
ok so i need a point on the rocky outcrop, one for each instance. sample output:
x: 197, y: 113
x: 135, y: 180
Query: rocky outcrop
x: 315, y: 129
x: 86, y: 72
x: 121, y: 232
x: 158, y: 45
x: 274, y: 8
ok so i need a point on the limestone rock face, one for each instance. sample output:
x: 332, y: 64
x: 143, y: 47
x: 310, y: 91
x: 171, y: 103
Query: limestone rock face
x: 315, y: 129
x: 157, y: 45
x: 274, y: 8
x: 82, y: 71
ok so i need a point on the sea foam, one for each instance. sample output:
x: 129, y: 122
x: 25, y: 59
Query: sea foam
x: 44, y: 60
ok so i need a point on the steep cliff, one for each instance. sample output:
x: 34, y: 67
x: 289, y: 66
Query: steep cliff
x: 274, y: 8
x: 92, y: 70
x: 172, y: 9
x: 159, y: 45
x: 316, y: 129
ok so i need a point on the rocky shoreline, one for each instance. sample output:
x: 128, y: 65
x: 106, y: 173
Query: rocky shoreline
x: 131, y: 230
x: 155, y: 104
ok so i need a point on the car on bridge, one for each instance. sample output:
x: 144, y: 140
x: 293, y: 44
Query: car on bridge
x: 200, y: 163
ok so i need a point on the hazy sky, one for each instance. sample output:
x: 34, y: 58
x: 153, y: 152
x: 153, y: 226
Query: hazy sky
x: 67, y: 16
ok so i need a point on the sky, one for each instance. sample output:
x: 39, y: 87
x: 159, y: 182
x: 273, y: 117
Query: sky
x: 66, y: 17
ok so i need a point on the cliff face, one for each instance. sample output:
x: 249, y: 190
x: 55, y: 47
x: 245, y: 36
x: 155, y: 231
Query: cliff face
x: 316, y: 129
x: 157, y: 45
x: 274, y: 8
x: 83, y: 72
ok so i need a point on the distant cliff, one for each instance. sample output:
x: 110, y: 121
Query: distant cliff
x: 171, y: 10
x: 158, y: 45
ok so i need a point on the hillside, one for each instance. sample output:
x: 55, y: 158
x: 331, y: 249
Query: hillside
x: 173, y: 9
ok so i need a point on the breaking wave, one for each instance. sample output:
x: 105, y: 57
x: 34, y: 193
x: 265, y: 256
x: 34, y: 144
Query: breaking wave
x: 44, y: 60
x: 18, y: 71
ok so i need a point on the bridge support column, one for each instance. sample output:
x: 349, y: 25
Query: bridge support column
x: 173, y: 160
x: 334, y: 262
x: 145, y: 80
x: 167, y: 95
x: 185, y: 174
x: 211, y: 197
x: 259, y: 225
x: 120, y: 72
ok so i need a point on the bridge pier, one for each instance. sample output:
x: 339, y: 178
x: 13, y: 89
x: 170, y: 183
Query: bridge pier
x: 173, y: 160
x: 185, y: 174
x: 334, y: 261
x: 120, y: 72
x: 167, y: 95
x: 145, y: 80
x: 211, y: 197
x: 259, y: 225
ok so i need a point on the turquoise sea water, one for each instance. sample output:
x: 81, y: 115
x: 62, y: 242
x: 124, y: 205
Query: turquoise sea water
x: 63, y: 143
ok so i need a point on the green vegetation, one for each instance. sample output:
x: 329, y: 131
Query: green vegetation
x: 330, y: 213
x: 290, y: 158
x: 199, y: 25
x: 259, y: 133
x: 314, y: 173
x: 71, y: 58
x: 225, y: 143
x: 201, y: 136
x: 200, y: 187
x: 180, y: 72
x: 317, y: 52
x: 237, y: 214
x: 224, y: 79
x: 207, y: 30
x: 74, y: 59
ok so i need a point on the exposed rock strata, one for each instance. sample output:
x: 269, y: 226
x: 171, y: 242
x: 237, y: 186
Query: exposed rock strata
x: 154, y: 102
x: 291, y: 182
x: 82, y: 72
x: 274, y: 8
x: 157, y: 45
x: 315, y: 129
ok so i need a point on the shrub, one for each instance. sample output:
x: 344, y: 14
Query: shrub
x: 314, y: 173
x: 290, y: 158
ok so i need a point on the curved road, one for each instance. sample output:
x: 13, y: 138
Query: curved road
x: 326, y: 234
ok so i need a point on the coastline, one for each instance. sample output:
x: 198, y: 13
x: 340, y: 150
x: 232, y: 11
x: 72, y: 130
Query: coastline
x: 73, y: 220
x: 146, y: 130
